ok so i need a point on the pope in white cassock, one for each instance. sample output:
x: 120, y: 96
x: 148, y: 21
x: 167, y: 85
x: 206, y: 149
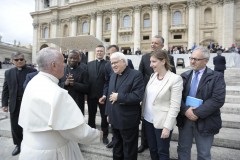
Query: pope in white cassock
x: 52, y: 123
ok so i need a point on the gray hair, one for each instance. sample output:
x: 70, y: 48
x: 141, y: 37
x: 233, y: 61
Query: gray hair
x: 46, y: 56
x: 204, y: 51
x: 159, y: 37
x: 16, y: 54
x: 120, y: 56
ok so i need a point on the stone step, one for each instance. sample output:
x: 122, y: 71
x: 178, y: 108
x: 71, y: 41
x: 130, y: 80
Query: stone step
x: 232, y: 90
x: 231, y: 108
x: 227, y: 138
x: 100, y: 152
x: 222, y: 139
x: 230, y: 120
x: 232, y: 99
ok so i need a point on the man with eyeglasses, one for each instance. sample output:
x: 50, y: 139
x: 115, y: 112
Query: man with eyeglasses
x: 125, y: 92
x: 12, y: 95
x: 201, y: 122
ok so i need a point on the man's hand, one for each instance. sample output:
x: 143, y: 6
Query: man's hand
x: 102, y: 100
x: 190, y: 115
x: 5, y: 109
x: 69, y: 80
x: 113, y: 97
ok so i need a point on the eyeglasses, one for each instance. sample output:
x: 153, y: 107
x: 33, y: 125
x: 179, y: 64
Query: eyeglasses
x: 196, y: 59
x: 116, y: 62
x: 20, y: 59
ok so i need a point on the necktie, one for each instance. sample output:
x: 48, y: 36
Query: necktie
x: 194, y: 85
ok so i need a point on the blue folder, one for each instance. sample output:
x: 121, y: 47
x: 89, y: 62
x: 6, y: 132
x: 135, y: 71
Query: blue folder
x: 193, y: 102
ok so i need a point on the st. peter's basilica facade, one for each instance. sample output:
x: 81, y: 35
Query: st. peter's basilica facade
x: 132, y: 23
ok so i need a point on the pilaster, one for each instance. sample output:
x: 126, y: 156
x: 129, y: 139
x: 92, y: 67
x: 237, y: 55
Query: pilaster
x: 165, y: 8
x: 137, y: 37
x: 73, y: 20
x: 191, y: 23
x: 93, y: 23
x: 228, y: 23
x: 99, y: 25
x: 155, y: 8
x: 35, y: 41
x: 114, y: 26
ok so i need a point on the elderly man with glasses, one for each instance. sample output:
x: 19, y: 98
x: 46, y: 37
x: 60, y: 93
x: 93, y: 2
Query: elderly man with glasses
x: 12, y: 95
x: 202, y: 121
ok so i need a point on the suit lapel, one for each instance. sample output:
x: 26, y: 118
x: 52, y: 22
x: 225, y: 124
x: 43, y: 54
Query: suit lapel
x: 164, y: 82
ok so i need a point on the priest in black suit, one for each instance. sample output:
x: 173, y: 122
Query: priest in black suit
x: 96, y: 74
x: 125, y: 92
x: 12, y: 95
x: 75, y: 79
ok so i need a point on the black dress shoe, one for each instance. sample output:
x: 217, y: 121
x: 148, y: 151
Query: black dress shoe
x: 110, y: 145
x: 16, y: 150
x: 105, y: 140
x: 141, y: 148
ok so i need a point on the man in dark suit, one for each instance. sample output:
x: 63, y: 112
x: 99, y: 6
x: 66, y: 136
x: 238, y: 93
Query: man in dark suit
x: 29, y: 76
x: 108, y: 72
x: 96, y: 74
x: 75, y: 79
x: 219, y: 62
x: 84, y: 56
x: 125, y: 92
x: 204, y: 121
x: 144, y: 67
x: 12, y: 95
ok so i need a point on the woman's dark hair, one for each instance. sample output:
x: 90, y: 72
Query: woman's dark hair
x: 161, y: 55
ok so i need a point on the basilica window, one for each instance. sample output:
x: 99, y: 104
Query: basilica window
x: 46, y: 3
x: 85, y: 27
x: 45, y: 32
x: 65, y: 31
x: 107, y: 24
x: 208, y: 15
x: 177, y: 18
x: 146, y: 21
x: 126, y: 21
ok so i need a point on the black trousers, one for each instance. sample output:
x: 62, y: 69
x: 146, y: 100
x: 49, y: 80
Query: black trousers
x: 125, y: 143
x: 17, y: 131
x: 92, y: 111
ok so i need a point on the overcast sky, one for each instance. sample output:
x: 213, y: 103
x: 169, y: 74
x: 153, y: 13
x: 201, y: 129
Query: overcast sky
x: 16, y: 21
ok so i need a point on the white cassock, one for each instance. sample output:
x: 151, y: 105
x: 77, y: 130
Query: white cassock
x: 52, y: 123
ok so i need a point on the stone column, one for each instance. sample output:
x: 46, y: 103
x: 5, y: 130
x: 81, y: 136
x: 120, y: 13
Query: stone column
x: 93, y: 23
x: 35, y: 42
x: 154, y: 19
x: 114, y: 27
x: 137, y: 24
x: 228, y: 23
x: 165, y: 25
x: 54, y: 27
x: 99, y: 25
x: 191, y: 23
x: 74, y: 26
x: 220, y: 22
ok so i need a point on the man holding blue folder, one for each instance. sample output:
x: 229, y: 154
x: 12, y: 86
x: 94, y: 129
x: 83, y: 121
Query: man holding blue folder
x: 206, y: 88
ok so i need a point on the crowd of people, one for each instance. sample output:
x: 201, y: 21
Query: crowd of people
x: 47, y: 107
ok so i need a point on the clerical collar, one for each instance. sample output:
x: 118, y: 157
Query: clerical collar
x: 122, y: 72
x: 99, y: 60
